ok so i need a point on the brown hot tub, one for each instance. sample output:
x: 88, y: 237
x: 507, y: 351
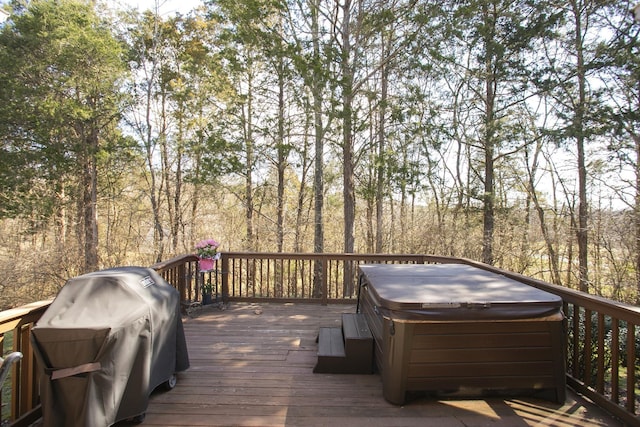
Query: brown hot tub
x: 459, y: 329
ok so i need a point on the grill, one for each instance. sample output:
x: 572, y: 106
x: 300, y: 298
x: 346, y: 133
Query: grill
x: 105, y: 343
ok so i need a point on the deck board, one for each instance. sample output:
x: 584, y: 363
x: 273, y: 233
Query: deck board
x: 251, y: 365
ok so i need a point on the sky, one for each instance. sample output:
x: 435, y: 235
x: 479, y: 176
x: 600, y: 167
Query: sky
x: 167, y: 7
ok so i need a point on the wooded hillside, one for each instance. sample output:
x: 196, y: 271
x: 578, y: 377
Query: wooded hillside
x: 502, y: 131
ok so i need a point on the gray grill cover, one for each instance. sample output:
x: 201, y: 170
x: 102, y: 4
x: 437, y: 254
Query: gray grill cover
x: 106, y: 342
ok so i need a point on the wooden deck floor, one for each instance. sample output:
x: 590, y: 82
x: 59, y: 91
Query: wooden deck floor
x: 251, y: 365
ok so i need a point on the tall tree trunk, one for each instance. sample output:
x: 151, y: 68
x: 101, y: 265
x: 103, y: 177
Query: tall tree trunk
x: 489, y: 143
x: 368, y: 209
x: 636, y: 140
x: 303, y: 207
x: 176, y: 200
x: 380, y: 170
x: 405, y: 243
x: 578, y: 128
x: 90, y: 200
x: 349, y: 199
x: 164, y: 191
x: 282, y: 156
x: 318, y: 177
x: 248, y: 184
x: 544, y: 228
x: 282, y: 167
x: 347, y: 130
x: 148, y: 139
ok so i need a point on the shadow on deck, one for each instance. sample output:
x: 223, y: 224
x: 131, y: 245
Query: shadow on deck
x: 251, y: 365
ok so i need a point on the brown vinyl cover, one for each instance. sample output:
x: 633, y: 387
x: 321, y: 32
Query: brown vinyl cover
x: 105, y: 343
x: 452, y: 292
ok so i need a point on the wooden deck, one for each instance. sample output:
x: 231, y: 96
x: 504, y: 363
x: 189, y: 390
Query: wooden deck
x: 251, y: 365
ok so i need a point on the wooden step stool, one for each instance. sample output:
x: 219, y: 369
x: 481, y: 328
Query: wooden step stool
x: 347, y: 349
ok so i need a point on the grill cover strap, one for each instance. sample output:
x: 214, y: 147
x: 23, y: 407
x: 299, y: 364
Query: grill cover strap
x: 80, y: 369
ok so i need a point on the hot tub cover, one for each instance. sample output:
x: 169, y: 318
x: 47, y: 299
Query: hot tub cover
x: 453, y: 292
x: 105, y: 343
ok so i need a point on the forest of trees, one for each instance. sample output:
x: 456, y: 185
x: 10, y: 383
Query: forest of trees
x: 506, y: 131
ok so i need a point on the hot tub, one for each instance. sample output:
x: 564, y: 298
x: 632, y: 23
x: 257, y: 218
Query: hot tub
x: 458, y: 329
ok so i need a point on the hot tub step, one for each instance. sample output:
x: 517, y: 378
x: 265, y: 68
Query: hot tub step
x: 358, y: 343
x: 346, y: 350
x: 331, y: 354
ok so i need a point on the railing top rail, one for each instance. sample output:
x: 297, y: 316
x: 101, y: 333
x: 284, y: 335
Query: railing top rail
x: 10, y: 319
x: 174, y: 262
x: 338, y: 256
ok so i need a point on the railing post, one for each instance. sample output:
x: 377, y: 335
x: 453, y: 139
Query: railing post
x: 225, y: 278
x: 182, y: 280
x: 325, y: 282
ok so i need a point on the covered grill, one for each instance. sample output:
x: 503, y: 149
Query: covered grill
x: 106, y: 342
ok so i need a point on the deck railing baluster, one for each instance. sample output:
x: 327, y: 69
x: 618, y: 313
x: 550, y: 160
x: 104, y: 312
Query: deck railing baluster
x: 575, y: 365
x: 631, y: 368
x: 600, y: 372
x: 615, y: 360
x: 587, y: 348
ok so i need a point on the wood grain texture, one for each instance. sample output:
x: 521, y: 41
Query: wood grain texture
x: 251, y: 365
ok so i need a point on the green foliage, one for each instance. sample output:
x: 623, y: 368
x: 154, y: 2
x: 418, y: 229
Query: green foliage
x: 207, y: 287
x: 60, y: 66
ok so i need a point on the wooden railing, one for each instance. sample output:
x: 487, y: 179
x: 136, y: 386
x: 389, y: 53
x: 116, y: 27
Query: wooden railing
x: 320, y: 278
x: 182, y: 272
x: 602, y: 336
x: 15, y: 335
